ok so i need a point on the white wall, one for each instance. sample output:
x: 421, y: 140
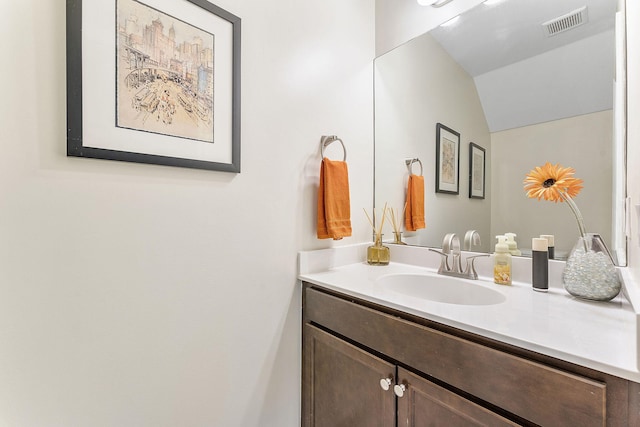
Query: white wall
x: 633, y: 135
x: 154, y: 296
x: 409, y: 102
x: 582, y: 142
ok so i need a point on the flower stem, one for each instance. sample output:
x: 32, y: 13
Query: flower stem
x: 578, y: 215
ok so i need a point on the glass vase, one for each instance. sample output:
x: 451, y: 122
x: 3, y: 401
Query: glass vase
x: 590, y: 272
x: 397, y: 238
x: 378, y: 254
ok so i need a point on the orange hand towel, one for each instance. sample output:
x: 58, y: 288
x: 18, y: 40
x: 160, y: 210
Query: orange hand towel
x: 334, y: 209
x: 414, y: 212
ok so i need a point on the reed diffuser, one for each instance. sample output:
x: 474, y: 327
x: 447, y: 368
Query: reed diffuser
x: 396, y: 225
x: 378, y: 254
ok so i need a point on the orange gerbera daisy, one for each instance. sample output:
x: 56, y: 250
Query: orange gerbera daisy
x: 549, y: 181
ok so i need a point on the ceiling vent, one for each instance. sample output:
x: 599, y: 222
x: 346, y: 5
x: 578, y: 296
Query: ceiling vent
x: 566, y: 22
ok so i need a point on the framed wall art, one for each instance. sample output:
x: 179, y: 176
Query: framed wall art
x: 154, y: 81
x: 447, y: 160
x: 477, y: 172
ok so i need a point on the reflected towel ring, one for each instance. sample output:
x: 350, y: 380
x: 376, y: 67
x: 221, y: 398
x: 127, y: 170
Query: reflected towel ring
x: 410, y: 162
x: 326, y: 140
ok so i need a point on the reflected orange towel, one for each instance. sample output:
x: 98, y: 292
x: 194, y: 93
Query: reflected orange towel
x: 414, y: 212
x: 334, y: 209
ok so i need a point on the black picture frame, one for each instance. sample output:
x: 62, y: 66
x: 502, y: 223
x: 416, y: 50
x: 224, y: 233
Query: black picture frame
x: 447, y: 160
x: 181, y: 151
x: 477, y: 171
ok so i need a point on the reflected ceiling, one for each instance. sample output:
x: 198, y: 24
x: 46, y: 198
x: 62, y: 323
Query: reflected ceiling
x: 516, y: 26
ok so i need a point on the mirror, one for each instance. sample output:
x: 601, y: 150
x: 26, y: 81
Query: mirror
x: 499, y: 79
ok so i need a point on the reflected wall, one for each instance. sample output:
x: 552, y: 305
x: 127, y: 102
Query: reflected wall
x: 418, y: 85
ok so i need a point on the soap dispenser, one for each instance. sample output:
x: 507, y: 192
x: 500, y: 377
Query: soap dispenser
x: 512, y: 244
x: 502, y: 262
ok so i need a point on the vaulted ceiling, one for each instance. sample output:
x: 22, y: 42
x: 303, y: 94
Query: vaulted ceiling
x: 514, y: 62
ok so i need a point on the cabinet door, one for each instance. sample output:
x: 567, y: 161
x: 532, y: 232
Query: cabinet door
x: 341, y: 384
x: 427, y: 404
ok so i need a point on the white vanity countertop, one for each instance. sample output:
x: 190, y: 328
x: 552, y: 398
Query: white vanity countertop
x: 599, y: 335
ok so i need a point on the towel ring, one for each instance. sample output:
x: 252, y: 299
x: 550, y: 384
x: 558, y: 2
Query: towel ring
x: 326, y: 140
x: 410, y: 162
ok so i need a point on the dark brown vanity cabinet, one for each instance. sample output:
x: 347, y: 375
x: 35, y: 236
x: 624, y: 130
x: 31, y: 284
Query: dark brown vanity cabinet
x: 343, y: 384
x: 368, y: 365
x: 347, y: 386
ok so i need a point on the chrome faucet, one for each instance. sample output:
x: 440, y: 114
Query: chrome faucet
x: 451, y: 250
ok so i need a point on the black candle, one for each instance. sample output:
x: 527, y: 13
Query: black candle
x: 540, y: 264
x: 550, y: 244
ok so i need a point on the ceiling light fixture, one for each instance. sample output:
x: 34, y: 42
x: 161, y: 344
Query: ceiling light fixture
x: 434, y: 3
x: 450, y: 21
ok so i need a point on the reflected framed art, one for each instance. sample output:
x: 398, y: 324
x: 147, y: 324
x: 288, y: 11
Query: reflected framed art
x: 476, y: 171
x: 447, y: 160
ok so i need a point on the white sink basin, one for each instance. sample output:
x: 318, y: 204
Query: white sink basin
x: 439, y: 288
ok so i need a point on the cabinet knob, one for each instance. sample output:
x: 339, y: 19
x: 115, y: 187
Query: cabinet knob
x: 399, y: 389
x: 385, y: 383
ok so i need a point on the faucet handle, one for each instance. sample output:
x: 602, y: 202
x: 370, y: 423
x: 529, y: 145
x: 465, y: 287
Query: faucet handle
x: 470, y: 269
x: 444, y: 261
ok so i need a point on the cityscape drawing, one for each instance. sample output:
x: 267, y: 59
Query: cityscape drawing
x: 448, y: 166
x: 165, y: 74
x: 478, y: 172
